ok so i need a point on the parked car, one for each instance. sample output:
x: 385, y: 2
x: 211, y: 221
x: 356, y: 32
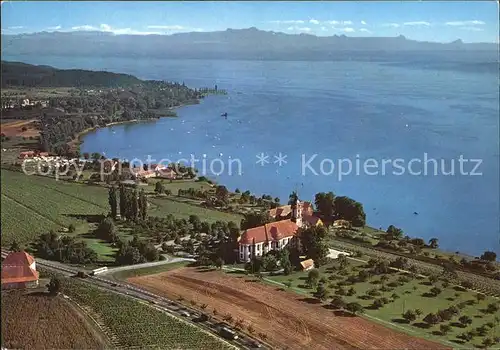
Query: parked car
x: 185, y: 313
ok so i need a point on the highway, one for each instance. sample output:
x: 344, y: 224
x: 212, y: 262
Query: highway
x: 160, y: 303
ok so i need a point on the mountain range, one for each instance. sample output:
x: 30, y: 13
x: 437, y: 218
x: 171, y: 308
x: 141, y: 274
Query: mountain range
x: 250, y: 44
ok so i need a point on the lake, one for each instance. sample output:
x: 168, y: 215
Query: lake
x: 373, y: 113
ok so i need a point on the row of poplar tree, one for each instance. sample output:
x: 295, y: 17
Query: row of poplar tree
x: 132, y: 203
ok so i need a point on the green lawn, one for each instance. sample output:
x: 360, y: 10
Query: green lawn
x: 165, y: 206
x: 411, y: 296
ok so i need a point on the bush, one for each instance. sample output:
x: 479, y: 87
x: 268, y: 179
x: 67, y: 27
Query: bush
x: 71, y: 228
x: 162, y: 258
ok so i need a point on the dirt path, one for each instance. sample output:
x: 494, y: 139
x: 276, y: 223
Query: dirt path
x: 289, y: 320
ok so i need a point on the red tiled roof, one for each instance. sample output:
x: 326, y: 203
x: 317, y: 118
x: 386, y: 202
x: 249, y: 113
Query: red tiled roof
x: 16, y: 268
x: 286, y: 210
x: 269, y: 232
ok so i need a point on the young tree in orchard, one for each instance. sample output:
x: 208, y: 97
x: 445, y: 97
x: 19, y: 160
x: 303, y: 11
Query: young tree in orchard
x: 113, y: 202
x: 159, y: 189
x: 434, y: 243
x: 54, y: 286
x: 394, y: 233
x: 489, y: 256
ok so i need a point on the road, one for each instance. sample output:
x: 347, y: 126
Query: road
x: 158, y: 302
x: 140, y: 266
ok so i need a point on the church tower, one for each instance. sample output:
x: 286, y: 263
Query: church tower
x: 297, y: 213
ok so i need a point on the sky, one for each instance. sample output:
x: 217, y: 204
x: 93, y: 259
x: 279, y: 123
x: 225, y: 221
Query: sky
x: 445, y: 21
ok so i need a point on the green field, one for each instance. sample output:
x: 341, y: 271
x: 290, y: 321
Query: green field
x: 32, y: 205
x: 137, y: 324
x: 122, y: 275
x: 164, y: 206
x: 410, y: 295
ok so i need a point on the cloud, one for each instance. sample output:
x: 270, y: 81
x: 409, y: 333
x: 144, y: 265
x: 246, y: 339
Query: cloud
x: 300, y: 29
x: 363, y: 23
x: 54, y: 28
x: 117, y: 31
x: 85, y: 27
x: 313, y: 21
x: 333, y: 22
x: 364, y: 30
x: 345, y: 29
x: 16, y: 27
x: 347, y: 23
x: 291, y: 21
x: 167, y: 27
x: 417, y: 23
x: 324, y: 29
x: 392, y: 25
x: 473, y: 29
x: 465, y: 23
x: 105, y: 28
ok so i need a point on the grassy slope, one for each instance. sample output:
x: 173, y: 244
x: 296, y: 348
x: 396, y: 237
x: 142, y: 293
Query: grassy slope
x: 410, y: 298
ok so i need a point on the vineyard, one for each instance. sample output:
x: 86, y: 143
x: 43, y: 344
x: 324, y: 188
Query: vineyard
x: 33, y: 204
x: 53, y: 323
x: 129, y: 323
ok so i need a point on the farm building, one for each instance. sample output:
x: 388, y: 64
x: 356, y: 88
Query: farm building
x: 307, y: 265
x: 19, y: 271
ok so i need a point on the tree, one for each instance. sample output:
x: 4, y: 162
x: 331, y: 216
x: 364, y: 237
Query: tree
x: 418, y: 312
x: 487, y: 342
x: 312, y: 278
x: 222, y: 193
x: 338, y: 303
x: 107, y: 231
x: 284, y: 258
x: 325, y: 204
x: 15, y: 247
x: 355, y: 308
x: 410, y: 316
x: 219, y: 263
x: 255, y: 219
x: 377, y: 303
x: 444, y: 328
x: 313, y: 243
x: 269, y: 262
x: 489, y: 256
x: 159, y: 188
x: 432, y: 319
x: 54, y: 286
x: 113, y: 203
x: 465, y: 320
x: 143, y: 205
x: 433, y: 243
x: 394, y: 233
x: 492, y: 308
x: 321, y: 292
x: 480, y: 297
x: 435, y: 291
x: 342, y: 260
x: 348, y: 209
x: 71, y: 228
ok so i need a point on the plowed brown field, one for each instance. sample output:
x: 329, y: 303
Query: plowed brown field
x: 288, y: 321
x: 15, y: 128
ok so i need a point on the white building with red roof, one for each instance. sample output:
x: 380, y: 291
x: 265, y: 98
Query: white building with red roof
x: 19, y: 271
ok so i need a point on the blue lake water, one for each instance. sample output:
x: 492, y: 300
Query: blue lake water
x: 336, y: 110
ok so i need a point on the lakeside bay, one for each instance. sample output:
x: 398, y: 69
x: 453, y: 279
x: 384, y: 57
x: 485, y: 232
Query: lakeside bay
x: 336, y: 110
